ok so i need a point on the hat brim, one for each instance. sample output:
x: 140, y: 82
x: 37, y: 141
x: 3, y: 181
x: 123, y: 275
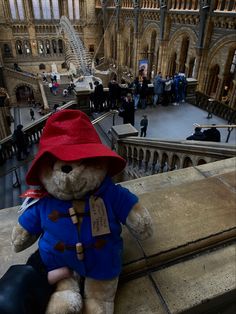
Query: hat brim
x: 74, y: 153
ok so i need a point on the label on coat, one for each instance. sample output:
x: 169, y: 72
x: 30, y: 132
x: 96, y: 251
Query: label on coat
x: 99, y: 219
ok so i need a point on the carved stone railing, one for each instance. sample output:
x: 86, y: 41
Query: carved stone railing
x: 215, y: 107
x: 150, y: 156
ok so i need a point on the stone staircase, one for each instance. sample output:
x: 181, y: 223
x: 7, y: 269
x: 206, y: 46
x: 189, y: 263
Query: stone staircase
x: 59, y: 98
x: 188, y: 266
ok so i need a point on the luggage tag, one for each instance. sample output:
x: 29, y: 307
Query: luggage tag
x: 99, y: 219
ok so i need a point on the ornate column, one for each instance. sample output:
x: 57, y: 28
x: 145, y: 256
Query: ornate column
x: 220, y: 87
x: 232, y: 102
x: 136, y: 5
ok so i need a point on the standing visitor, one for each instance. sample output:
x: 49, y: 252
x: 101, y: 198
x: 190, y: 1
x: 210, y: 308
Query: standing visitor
x: 19, y: 138
x: 144, y: 93
x: 32, y: 114
x: 136, y: 92
x: 158, y: 89
x: 167, y: 91
x: 127, y: 109
x: 144, y: 125
x: 98, y: 97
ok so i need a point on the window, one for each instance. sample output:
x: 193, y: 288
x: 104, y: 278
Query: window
x: 36, y: 9
x: 233, y: 65
x: 46, y: 9
x: 19, y: 49
x: 73, y: 9
x: 17, y: 9
x: 56, y: 13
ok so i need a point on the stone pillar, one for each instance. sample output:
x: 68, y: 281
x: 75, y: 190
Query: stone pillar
x: 220, y: 87
x: 232, y: 102
x: 162, y: 58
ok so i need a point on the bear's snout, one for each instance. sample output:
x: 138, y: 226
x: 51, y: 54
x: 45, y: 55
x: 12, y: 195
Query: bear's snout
x: 66, y: 168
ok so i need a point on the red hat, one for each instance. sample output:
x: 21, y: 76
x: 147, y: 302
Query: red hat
x: 69, y: 136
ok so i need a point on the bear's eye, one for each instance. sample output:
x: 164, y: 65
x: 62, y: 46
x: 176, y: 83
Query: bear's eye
x: 66, y: 168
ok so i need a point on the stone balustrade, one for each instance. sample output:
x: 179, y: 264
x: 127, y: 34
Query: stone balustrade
x: 150, y: 156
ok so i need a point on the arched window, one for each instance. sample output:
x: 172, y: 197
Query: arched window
x: 6, y: 50
x: 17, y: 9
x: 42, y: 66
x: 27, y: 48
x: 60, y: 45
x: 19, y: 49
x: 48, y: 49
x: 183, y: 54
x: 73, y: 9
x: 40, y: 47
x: 54, y: 46
x: 233, y: 64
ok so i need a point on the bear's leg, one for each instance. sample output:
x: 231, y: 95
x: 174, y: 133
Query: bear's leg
x: 66, y: 299
x: 99, y: 296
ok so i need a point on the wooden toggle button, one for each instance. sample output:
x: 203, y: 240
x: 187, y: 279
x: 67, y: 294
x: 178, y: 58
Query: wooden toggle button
x: 73, y: 215
x: 80, y: 251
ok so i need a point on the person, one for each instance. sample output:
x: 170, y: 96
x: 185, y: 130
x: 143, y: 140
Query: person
x: 144, y: 124
x: 50, y: 87
x: 19, y: 139
x: 144, y: 93
x: 158, y: 88
x: 127, y: 109
x: 167, y: 91
x: 114, y: 93
x: 212, y: 134
x: 44, y: 77
x: 98, y: 97
x: 65, y: 92
x: 197, y: 135
x: 32, y: 114
x: 136, y: 92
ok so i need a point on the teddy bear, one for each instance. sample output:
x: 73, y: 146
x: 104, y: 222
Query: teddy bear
x: 76, y: 214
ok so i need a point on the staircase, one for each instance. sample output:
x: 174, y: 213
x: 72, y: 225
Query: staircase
x: 58, y: 98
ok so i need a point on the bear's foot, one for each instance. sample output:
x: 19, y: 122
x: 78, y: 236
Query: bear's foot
x: 65, y: 302
x: 92, y: 306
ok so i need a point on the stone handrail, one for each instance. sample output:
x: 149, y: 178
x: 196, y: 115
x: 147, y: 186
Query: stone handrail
x: 150, y: 156
x: 24, y: 76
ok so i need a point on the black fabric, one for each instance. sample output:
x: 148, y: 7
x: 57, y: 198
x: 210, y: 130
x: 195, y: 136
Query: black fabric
x: 24, y: 289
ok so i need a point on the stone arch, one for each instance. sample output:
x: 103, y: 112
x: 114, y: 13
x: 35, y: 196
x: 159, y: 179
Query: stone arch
x: 19, y: 47
x: 175, y: 163
x: 24, y: 91
x: 42, y: 66
x: 148, y: 48
x: 201, y: 162
x: 176, y: 45
x: 187, y: 162
x: 213, y: 79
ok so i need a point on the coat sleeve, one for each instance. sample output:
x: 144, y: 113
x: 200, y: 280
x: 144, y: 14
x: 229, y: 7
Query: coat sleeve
x: 123, y: 202
x: 30, y: 219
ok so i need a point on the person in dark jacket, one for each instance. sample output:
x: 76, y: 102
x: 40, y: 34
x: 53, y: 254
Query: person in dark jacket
x: 19, y: 139
x: 197, y: 135
x: 127, y: 110
x: 98, y: 97
x: 212, y: 135
x: 144, y: 93
x: 143, y: 124
x: 114, y: 94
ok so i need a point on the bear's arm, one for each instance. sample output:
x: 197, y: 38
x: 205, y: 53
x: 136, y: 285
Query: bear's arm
x: 21, y: 238
x: 28, y: 228
x: 131, y: 213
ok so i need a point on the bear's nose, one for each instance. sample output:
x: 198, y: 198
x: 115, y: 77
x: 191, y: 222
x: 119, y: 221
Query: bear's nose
x: 66, y: 168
